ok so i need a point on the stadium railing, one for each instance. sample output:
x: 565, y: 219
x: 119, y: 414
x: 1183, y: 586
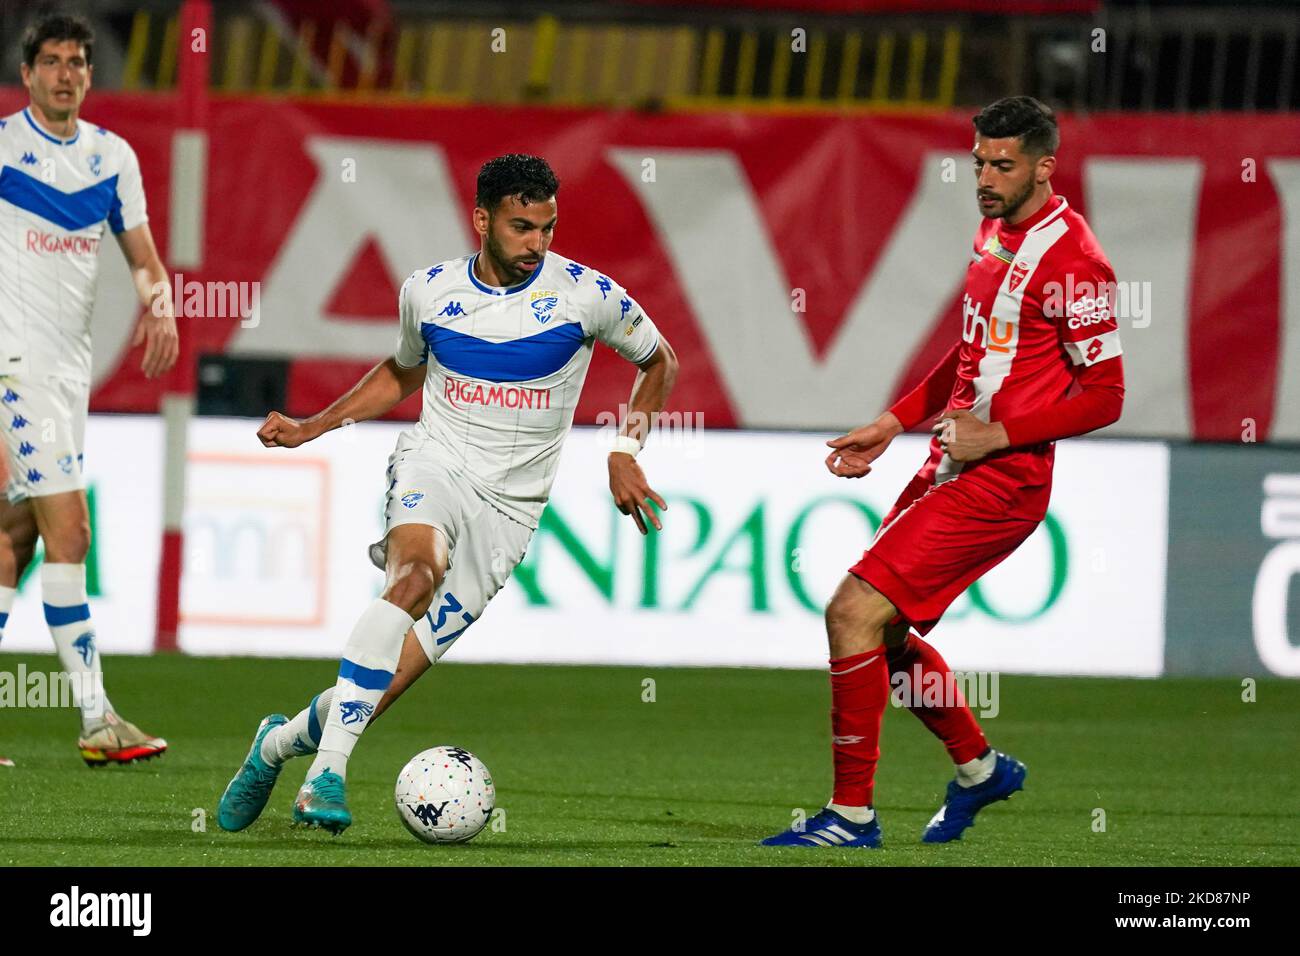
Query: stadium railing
x: 1159, y: 59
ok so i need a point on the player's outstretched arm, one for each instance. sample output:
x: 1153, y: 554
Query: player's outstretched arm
x: 382, y: 387
x: 627, y: 483
x: 157, y: 327
x: 852, y: 454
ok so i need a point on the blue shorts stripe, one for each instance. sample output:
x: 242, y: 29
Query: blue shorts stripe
x: 364, y: 677
x: 4, y: 619
x: 313, y: 722
x: 56, y: 616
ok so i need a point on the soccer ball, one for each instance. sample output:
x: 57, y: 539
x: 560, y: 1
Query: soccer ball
x: 445, y: 795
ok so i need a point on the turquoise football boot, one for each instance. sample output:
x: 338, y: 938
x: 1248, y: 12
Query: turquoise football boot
x: 247, y: 793
x: 322, y: 803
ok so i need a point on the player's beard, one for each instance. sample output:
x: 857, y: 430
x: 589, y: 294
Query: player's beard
x: 504, y: 264
x: 1010, y: 207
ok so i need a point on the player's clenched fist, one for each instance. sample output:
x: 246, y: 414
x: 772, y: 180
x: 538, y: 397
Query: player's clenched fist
x: 284, y: 431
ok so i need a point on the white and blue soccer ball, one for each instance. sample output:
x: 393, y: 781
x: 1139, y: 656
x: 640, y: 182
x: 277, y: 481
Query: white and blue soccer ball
x: 445, y: 795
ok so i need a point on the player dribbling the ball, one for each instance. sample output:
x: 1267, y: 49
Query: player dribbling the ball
x: 500, y: 340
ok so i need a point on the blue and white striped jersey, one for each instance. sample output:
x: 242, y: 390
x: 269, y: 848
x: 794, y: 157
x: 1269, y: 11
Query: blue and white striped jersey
x: 506, y: 366
x: 56, y: 195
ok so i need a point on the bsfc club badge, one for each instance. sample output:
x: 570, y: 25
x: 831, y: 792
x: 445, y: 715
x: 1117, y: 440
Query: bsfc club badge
x: 543, y: 304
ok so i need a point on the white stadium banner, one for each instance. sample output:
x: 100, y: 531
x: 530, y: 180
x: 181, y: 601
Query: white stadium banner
x: 756, y: 536
x: 123, y: 463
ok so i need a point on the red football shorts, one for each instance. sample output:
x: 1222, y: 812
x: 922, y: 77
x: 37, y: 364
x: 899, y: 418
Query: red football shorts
x: 937, y: 541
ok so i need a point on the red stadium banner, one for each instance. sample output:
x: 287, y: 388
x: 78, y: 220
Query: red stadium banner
x: 806, y: 268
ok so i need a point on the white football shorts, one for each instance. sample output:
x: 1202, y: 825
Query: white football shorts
x: 44, y: 425
x: 484, y: 545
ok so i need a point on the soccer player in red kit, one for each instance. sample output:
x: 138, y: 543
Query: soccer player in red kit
x: 1038, y: 325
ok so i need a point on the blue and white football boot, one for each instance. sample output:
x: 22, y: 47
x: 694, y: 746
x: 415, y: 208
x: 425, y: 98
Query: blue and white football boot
x: 246, y: 794
x: 323, y: 803
x: 828, y: 828
x: 962, y: 803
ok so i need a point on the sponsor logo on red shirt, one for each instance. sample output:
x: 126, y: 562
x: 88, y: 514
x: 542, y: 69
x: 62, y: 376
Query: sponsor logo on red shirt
x: 985, y: 331
x: 1089, y: 310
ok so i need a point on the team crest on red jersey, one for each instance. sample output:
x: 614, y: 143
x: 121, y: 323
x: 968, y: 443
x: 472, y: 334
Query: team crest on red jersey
x: 1019, y: 270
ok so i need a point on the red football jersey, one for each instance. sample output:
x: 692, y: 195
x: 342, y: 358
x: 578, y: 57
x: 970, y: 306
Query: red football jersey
x: 1038, y: 308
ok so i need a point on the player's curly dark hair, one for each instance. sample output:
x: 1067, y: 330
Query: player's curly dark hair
x: 515, y: 174
x: 57, y: 26
x: 1024, y: 117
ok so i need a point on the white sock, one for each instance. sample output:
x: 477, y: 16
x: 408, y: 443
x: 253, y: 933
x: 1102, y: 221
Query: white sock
x: 369, y: 661
x: 301, y: 735
x: 7, y: 596
x: 976, y: 771
x: 63, y: 589
x: 853, y: 814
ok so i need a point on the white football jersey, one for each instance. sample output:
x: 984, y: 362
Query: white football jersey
x: 56, y: 195
x: 506, y: 366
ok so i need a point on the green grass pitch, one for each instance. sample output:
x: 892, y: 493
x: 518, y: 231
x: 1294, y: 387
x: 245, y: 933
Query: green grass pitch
x: 588, y: 773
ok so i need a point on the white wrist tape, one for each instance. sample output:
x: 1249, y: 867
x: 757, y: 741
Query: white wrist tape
x: 625, y: 444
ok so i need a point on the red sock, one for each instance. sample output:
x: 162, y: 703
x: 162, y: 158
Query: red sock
x: 859, y: 692
x: 955, y: 726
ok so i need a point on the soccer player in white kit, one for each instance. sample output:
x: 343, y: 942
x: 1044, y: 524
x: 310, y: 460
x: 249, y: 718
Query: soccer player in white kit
x: 61, y: 180
x: 501, y: 341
